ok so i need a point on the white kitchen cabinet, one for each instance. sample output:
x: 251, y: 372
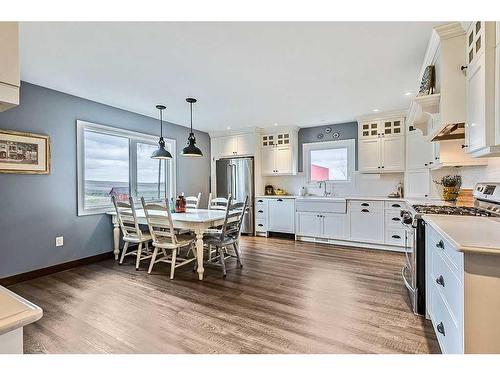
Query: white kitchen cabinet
x: 480, y: 137
x: 381, y: 155
x: 281, y: 215
x: 279, y: 153
x: 233, y: 145
x: 366, y: 222
x: 309, y: 224
x: 419, y: 151
x: 9, y: 63
x: 417, y: 183
x: 333, y: 225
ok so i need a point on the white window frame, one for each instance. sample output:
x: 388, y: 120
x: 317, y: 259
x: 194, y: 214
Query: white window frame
x: 134, y: 138
x: 350, y: 144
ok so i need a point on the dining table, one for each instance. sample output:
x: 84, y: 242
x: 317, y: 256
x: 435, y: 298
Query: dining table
x: 196, y: 220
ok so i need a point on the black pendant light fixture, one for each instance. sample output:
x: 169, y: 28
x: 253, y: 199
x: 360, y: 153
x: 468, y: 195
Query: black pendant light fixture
x: 161, y: 153
x: 191, y: 149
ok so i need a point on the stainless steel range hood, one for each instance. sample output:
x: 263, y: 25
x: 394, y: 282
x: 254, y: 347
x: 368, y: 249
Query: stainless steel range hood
x: 450, y: 131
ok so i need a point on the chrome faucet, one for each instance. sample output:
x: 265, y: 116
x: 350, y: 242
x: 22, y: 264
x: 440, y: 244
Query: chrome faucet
x: 325, y: 193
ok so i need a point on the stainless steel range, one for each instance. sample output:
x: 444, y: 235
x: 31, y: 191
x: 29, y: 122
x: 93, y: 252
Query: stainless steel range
x: 486, y: 203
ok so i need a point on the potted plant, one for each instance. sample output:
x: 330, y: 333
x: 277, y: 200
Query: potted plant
x: 451, y: 186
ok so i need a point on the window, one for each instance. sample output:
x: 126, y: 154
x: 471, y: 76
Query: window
x: 329, y: 161
x: 117, y: 162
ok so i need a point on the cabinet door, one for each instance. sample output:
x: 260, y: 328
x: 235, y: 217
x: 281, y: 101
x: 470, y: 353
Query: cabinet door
x: 392, y: 128
x: 228, y: 146
x: 393, y: 154
x: 334, y: 226
x: 283, y: 162
x: 308, y: 224
x: 369, y: 129
x: 245, y: 144
x: 367, y: 225
x: 369, y: 155
x: 417, y: 183
x: 9, y: 53
x: 476, y: 116
x: 281, y: 215
x: 418, y: 150
x: 267, y: 163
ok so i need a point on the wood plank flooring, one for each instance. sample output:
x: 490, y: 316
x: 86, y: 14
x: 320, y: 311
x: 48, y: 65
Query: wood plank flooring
x: 290, y: 297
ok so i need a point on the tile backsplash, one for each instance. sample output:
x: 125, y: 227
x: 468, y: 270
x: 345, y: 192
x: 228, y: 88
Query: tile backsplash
x: 364, y: 184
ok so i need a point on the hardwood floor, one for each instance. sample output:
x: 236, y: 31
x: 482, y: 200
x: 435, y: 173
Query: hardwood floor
x: 291, y: 297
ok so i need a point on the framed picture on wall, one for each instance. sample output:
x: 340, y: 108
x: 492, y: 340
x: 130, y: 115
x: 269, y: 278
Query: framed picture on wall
x: 24, y: 153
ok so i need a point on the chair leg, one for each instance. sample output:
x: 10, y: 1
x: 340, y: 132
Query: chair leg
x: 237, y: 251
x: 153, y: 258
x: 172, y: 265
x: 138, y: 259
x: 222, y: 260
x: 209, y: 253
x: 125, y: 247
x: 147, y: 246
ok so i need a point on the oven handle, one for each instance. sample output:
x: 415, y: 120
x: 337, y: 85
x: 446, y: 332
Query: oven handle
x: 404, y: 279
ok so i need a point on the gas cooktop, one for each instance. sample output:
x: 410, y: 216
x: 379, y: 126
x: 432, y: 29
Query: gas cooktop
x: 450, y: 210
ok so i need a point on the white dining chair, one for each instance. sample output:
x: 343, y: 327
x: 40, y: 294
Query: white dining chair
x: 132, y: 233
x: 193, y: 202
x: 165, y: 239
x: 217, y: 203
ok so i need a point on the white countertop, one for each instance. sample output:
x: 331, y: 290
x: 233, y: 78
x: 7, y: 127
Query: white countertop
x: 352, y: 198
x: 468, y: 233
x: 15, y: 311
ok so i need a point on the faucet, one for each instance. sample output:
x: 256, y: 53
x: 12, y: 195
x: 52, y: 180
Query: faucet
x: 325, y: 193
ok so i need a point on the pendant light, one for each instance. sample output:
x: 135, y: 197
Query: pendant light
x: 161, y: 153
x: 191, y: 149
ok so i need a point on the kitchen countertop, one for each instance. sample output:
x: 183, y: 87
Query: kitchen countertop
x: 16, y: 312
x: 470, y: 234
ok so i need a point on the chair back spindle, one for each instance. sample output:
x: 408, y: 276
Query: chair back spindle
x: 125, y: 212
x: 160, y: 222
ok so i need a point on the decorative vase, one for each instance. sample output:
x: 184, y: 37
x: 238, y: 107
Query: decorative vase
x: 450, y: 194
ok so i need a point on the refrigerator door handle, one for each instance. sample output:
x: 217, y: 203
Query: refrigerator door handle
x: 235, y: 181
x: 230, y: 179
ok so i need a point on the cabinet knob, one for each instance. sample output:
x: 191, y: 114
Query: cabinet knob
x: 440, y: 280
x: 465, y: 146
x: 440, y: 244
x: 440, y: 328
x: 463, y: 67
x: 425, y: 164
x: 431, y: 162
x: 382, y: 167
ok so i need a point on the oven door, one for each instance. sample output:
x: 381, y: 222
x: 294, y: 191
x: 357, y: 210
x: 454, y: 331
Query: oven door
x: 408, y: 272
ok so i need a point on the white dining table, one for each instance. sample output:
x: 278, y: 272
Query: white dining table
x: 197, y: 220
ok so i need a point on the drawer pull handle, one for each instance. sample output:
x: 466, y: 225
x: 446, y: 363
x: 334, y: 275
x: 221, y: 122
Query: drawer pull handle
x: 396, y: 236
x: 260, y: 225
x: 260, y: 211
x: 440, y: 244
x: 440, y: 280
x: 365, y: 210
x: 396, y: 219
x: 280, y: 200
x: 396, y: 205
x: 260, y: 201
x: 365, y: 204
x: 440, y: 328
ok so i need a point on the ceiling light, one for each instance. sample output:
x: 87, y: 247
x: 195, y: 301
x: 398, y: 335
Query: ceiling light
x: 376, y: 110
x: 275, y: 124
x: 408, y: 93
x: 161, y: 153
x: 228, y: 128
x: 191, y: 149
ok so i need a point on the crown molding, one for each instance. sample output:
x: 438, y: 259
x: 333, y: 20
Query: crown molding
x: 382, y: 115
x: 450, y: 30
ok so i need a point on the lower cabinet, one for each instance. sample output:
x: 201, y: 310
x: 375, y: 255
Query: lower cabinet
x: 367, y: 224
x: 321, y: 224
x: 281, y: 214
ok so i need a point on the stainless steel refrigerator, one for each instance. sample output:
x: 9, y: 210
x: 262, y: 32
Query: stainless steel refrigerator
x: 235, y: 177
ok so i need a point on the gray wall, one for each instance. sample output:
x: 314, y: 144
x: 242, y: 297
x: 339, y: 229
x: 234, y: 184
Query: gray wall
x: 34, y: 209
x: 347, y: 130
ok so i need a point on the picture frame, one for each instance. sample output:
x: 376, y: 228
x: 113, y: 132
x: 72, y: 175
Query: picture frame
x: 24, y: 153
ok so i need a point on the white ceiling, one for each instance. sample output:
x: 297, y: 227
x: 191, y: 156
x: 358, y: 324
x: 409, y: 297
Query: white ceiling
x: 243, y: 74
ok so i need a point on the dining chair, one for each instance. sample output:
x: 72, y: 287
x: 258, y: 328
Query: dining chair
x: 228, y: 236
x: 193, y: 202
x: 132, y: 233
x: 215, y: 203
x: 165, y: 239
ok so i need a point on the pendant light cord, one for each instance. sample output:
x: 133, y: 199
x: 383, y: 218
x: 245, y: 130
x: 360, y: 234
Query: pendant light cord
x: 191, y: 107
x: 161, y: 123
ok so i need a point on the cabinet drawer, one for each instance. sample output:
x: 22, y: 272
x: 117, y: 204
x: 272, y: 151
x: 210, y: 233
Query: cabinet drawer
x: 260, y: 225
x: 448, y: 284
x: 448, y: 333
x: 393, y: 219
x: 260, y: 211
x: 438, y: 243
x: 395, y: 237
x: 392, y: 205
x: 370, y: 205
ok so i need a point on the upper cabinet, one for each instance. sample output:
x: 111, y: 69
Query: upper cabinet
x: 9, y: 63
x: 233, y: 145
x: 481, y: 137
x: 381, y: 143
x: 279, y: 152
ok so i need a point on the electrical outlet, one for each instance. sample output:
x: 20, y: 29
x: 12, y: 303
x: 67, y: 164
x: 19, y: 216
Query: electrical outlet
x: 59, y: 241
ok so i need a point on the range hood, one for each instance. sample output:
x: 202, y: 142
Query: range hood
x: 450, y: 131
